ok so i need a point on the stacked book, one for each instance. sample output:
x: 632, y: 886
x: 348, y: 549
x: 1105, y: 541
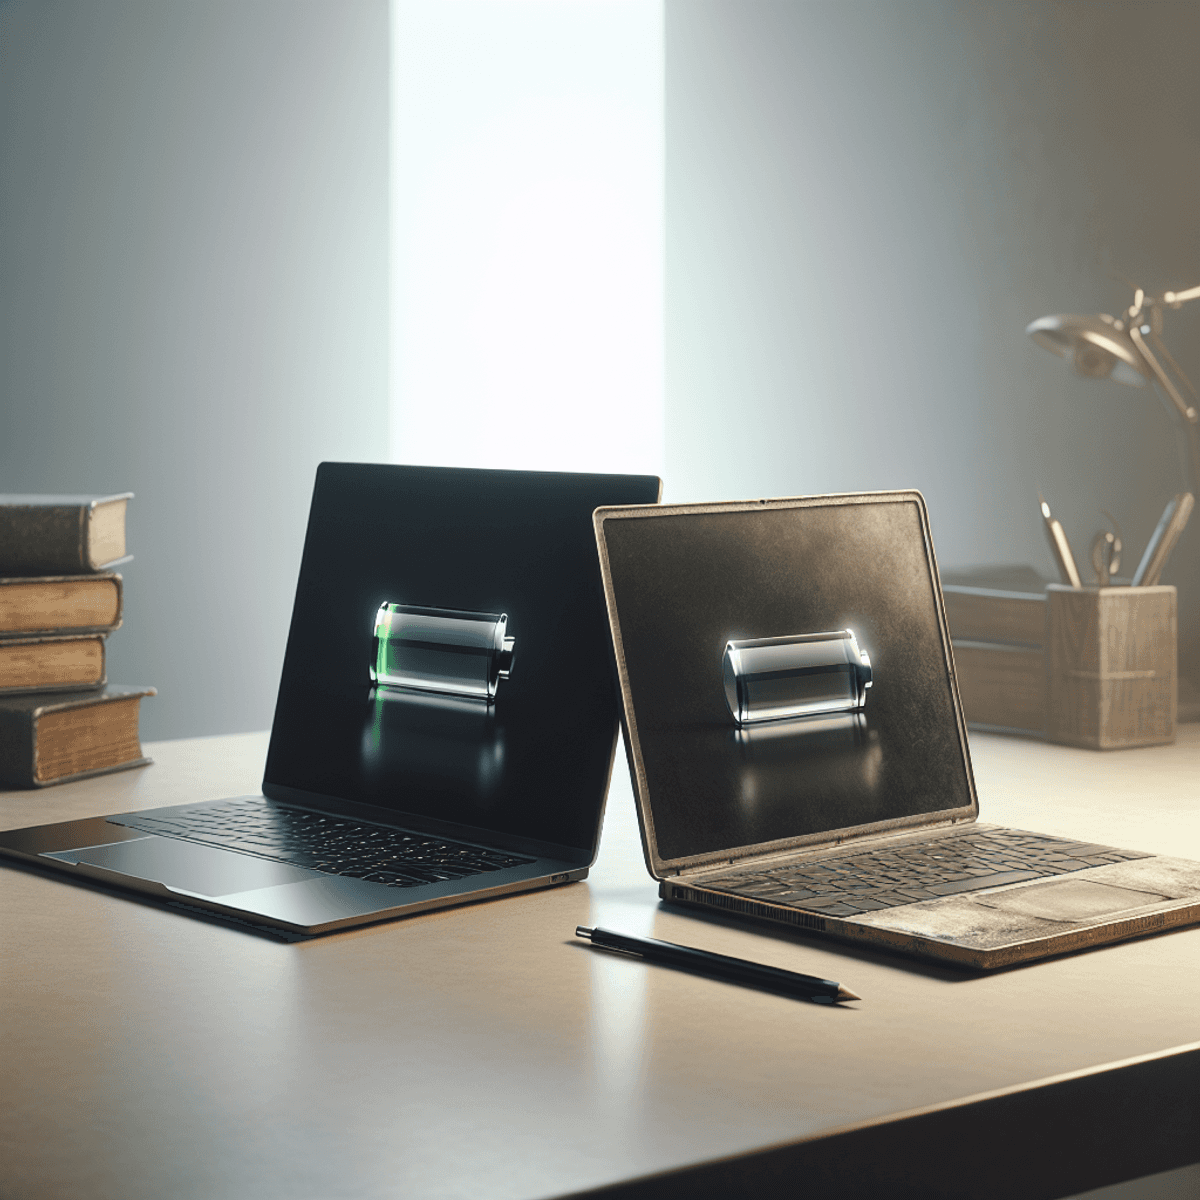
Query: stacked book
x: 997, y: 619
x: 60, y: 719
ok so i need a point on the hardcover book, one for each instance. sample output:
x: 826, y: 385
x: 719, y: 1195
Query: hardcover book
x: 51, y: 664
x: 997, y: 619
x: 61, y: 535
x: 61, y: 604
x: 1002, y: 684
x: 50, y: 738
x: 991, y: 615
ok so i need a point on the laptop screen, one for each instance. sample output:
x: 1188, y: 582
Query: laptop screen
x: 449, y: 656
x: 785, y: 669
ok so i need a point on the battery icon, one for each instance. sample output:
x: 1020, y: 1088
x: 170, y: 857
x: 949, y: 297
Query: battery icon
x: 441, y: 650
x: 772, y: 679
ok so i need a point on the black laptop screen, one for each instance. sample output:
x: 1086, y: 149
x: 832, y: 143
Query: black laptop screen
x: 448, y: 655
x: 757, y: 716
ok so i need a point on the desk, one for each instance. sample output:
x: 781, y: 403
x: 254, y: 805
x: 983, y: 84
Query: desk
x: 482, y: 1052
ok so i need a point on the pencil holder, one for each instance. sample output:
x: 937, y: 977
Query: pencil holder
x: 1110, y: 666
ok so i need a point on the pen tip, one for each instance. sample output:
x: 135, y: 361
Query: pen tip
x: 846, y: 994
x: 582, y: 931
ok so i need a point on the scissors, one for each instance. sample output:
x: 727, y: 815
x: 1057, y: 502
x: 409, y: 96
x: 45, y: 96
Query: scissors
x: 1106, y: 552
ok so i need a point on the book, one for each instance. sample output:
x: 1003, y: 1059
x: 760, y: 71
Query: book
x: 50, y: 738
x: 1003, y: 577
x: 60, y: 604
x: 990, y: 615
x: 61, y: 535
x: 997, y: 618
x: 51, y: 664
x: 1002, y: 684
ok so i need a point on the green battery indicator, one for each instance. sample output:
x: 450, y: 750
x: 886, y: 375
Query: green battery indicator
x: 442, y: 650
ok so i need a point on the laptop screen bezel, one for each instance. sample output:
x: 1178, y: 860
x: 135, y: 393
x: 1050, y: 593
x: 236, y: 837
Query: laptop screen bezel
x: 663, y: 868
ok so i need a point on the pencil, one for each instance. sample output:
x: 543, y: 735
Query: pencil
x: 1060, y: 547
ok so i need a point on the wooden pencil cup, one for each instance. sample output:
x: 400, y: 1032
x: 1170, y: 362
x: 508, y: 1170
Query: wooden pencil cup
x: 1110, y: 666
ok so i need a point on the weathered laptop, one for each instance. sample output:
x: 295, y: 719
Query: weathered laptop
x: 798, y: 748
x: 446, y: 721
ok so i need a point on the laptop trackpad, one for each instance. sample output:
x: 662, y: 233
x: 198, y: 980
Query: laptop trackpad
x: 1069, y: 900
x: 185, y: 866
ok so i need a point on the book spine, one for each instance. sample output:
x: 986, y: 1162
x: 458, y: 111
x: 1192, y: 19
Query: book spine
x: 43, y: 539
x: 17, y: 749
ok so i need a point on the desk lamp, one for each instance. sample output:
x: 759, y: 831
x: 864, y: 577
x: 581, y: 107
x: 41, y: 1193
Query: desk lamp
x: 1130, y: 350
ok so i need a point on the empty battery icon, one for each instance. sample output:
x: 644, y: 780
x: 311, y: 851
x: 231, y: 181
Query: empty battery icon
x: 441, y: 650
x: 772, y: 679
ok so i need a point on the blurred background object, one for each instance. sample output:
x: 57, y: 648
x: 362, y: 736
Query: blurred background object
x: 199, y: 206
x: 1129, y: 349
x: 866, y: 204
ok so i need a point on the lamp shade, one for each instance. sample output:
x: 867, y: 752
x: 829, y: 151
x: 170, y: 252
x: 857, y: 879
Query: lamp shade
x: 1096, y: 346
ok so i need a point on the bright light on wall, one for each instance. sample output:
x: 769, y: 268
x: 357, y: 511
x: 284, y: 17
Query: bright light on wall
x: 527, y: 196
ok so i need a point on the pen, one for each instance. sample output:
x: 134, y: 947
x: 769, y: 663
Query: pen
x: 1171, y: 524
x: 1106, y: 553
x: 720, y: 966
x: 1060, y: 547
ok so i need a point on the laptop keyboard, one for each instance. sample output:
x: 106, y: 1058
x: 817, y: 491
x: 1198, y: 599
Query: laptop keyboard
x: 861, y: 882
x: 334, y: 845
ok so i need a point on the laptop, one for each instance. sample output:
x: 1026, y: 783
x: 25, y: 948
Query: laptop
x: 446, y: 721
x: 798, y: 748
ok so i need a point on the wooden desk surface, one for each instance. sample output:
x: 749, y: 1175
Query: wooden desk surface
x: 482, y: 1051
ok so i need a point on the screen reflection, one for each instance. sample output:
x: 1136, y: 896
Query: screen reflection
x: 442, y: 739
x: 837, y: 755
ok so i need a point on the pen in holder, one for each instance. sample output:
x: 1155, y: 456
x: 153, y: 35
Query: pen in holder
x: 1110, y: 666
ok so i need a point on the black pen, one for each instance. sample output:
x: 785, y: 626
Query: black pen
x: 720, y: 966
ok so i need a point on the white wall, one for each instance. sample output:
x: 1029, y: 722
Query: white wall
x: 867, y: 203
x: 193, y: 305
x: 527, y: 234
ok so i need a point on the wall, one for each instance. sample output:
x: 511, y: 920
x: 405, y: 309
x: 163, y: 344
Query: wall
x: 865, y: 206
x: 527, y: 234
x: 193, y: 305
x: 867, y: 203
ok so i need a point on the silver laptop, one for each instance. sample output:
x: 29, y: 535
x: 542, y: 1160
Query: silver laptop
x: 446, y: 720
x: 798, y: 747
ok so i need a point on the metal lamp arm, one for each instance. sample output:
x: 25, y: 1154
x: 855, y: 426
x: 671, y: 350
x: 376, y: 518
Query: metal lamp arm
x: 1193, y: 439
x: 1180, y: 374
x: 1188, y: 416
x: 1187, y: 412
x: 1175, y: 299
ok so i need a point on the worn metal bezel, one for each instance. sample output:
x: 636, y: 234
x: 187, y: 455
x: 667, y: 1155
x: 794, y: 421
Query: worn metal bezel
x: 663, y: 868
